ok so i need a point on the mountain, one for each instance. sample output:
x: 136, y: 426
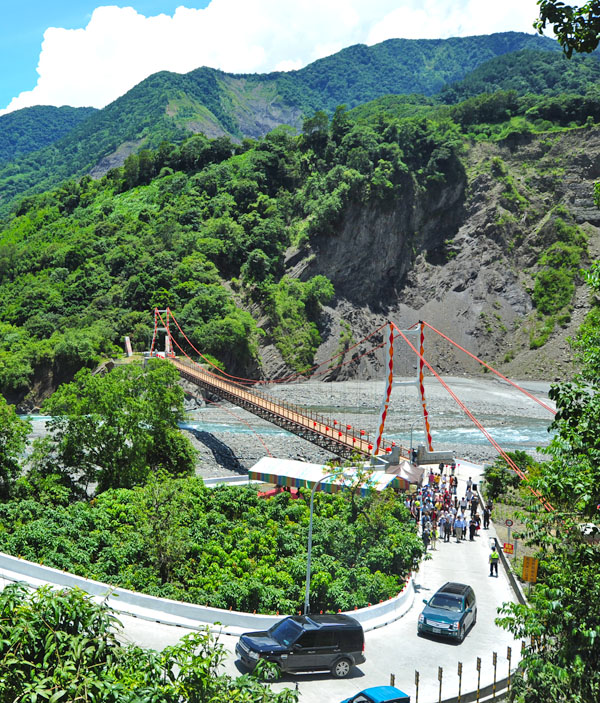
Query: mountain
x: 168, y: 106
x: 527, y: 71
x: 282, y: 251
x: 33, y: 128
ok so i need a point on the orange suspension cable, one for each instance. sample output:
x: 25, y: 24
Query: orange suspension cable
x: 470, y: 415
x: 287, y: 379
x: 493, y: 370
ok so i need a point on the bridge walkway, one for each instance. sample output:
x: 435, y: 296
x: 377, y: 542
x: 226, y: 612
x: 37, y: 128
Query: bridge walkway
x: 342, y: 440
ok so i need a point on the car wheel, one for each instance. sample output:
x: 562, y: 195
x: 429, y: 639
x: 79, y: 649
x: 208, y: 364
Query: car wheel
x: 462, y: 634
x: 341, y: 668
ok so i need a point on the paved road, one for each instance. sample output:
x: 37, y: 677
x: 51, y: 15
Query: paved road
x: 397, y: 648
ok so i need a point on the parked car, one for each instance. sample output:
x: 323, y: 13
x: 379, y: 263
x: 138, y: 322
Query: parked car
x: 332, y: 643
x: 450, y: 613
x: 379, y: 694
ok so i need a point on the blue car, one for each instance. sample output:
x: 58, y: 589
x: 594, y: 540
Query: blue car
x: 379, y: 694
x: 450, y: 613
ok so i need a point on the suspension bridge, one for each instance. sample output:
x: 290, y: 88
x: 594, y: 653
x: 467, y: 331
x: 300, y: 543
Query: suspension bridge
x: 340, y: 439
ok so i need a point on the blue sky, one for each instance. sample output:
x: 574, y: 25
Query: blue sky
x: 90, y: 53
x: 23, y: 25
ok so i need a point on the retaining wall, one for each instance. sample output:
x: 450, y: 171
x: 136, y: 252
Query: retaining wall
x: 187, y: 614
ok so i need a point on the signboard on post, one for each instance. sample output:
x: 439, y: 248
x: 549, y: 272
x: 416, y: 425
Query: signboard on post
x: 508, y: 548
x: 530, y: 569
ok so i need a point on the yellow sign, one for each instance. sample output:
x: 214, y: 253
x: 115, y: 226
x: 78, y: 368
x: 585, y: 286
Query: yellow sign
x: 530, y: 569
x: 509, y: 548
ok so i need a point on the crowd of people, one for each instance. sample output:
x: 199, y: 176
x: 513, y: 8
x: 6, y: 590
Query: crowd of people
x: 441, y: 514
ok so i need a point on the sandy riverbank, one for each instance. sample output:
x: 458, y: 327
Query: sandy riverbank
x: 230, y: 440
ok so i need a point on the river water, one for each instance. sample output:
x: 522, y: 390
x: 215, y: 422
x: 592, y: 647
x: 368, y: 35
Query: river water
x: 230, y: 439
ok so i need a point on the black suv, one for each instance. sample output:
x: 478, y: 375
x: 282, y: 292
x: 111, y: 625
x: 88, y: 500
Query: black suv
x: 451, y: 611
x: 307, y: 643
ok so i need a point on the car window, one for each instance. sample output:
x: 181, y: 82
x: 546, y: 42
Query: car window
x: 308, y: 640
x: 350, y: 640
x: 285, y: 632
x: 360, y: 699
x: 326, y: 638
x: 444, y: 601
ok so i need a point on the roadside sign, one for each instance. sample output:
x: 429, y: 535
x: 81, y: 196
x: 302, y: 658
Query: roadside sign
x: 530, y: 569
x: 509, y: 548
x: 508, y: 523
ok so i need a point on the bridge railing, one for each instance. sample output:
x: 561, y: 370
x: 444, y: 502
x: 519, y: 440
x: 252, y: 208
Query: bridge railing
x: 312, y: 421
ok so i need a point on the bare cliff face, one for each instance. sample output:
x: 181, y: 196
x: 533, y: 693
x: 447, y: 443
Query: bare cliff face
x: 464, y: 258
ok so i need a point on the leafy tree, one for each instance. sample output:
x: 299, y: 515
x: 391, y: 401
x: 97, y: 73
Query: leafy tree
x: 577, y: 28
x: 13, y: 438
x: 114, y: 430
x: 561, y: 621
x: 499, y: 476
x: 223, y: 546
x: 61, y: 645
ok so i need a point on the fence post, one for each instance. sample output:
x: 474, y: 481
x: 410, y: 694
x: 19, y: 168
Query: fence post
x: 440, y: 677
x: 509, y: 657
x: 392, y: 679
x: 459, y: 680
x: 417, y: 686
x: 495, y: 661
x: 478, y: 677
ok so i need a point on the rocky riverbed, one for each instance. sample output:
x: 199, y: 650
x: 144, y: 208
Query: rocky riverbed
x: 229, y: 440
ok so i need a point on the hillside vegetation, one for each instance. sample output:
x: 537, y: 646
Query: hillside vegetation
x: 204, y: 228
x: 168, y: 106
x: 33, y: 128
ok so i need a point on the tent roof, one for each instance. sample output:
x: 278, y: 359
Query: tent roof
x: 300, y: 474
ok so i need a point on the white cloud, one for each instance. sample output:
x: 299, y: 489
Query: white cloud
x: 120, y: 47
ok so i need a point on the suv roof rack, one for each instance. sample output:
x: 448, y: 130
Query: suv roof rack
x: 453, y: 587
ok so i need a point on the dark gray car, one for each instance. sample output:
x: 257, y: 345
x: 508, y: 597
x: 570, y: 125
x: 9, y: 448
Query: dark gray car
x: 332, y: 643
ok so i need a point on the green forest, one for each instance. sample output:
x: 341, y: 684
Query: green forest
x: 202, y: 225
x: 201, y: 228
x: 167, y: 106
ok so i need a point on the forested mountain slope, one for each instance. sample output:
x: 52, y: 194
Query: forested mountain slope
x: 169, y: 106
x: 280, y: 251
x: 33, y: 128
x: 527, y: 71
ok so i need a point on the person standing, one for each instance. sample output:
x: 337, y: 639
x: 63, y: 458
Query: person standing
x: 425, y: 536
x: 433, y: 534
x: 458, y: 527
x: 472, y: 529
x: 494, y: 556
x: 448, y: 526
x: 486, y: 517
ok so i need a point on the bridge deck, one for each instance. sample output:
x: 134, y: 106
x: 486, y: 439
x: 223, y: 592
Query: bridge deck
x: 340, y: 440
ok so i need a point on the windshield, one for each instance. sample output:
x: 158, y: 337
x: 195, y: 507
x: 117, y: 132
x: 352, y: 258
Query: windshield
x: 285, y: 632
x: 444, y: 602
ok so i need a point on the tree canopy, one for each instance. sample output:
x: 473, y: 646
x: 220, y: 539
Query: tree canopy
x: 62, y: 646
x: 112, y: 431
x: 562, y: 620
x: 13, y: 438
x: 577, y: 27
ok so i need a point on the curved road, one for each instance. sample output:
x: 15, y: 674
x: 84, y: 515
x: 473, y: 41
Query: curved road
x: 397, y: 648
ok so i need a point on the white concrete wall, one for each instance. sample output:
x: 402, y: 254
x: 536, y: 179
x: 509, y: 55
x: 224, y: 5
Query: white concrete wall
x: 186, y: 614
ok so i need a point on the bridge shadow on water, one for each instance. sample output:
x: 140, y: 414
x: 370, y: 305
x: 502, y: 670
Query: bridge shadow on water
x: 223, y: 454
